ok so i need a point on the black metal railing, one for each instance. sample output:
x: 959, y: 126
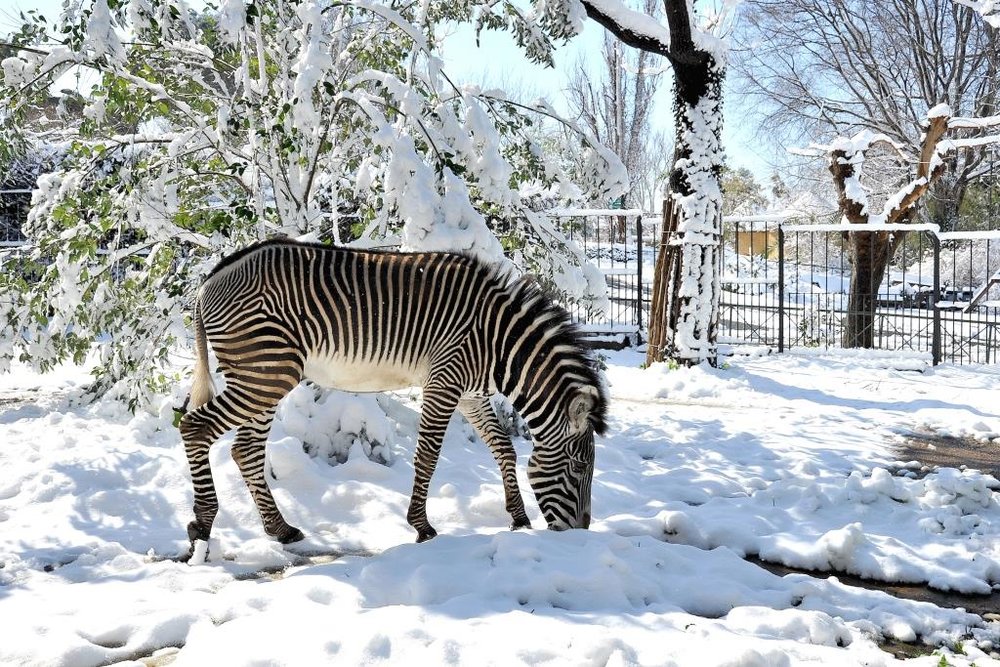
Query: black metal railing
x: 787, y: 285
x: 609, y: 240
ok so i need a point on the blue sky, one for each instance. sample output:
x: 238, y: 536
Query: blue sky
x: 498, y: 62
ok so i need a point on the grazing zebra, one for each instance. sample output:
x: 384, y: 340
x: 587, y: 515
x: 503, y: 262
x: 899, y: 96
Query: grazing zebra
x: 282, y: 311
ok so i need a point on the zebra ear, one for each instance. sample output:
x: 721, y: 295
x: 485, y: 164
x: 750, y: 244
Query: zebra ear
x: 580, y: 407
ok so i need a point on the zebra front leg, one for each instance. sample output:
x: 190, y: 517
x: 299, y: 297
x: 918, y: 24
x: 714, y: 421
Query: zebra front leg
x: 438, y: 405
x: 479, y: 411
x: 249, y: 453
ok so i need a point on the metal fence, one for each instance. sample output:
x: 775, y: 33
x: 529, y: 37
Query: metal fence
x: 787, y: 285
x: 14, y: 205
x: 609, y: 239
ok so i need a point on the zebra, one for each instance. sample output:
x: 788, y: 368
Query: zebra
x: 282, y: 311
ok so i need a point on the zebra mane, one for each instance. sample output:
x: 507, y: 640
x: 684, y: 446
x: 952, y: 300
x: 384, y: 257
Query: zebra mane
x: 562, y: 331
x: 235, y: 257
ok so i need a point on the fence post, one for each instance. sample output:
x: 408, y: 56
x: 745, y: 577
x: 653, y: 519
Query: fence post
x: 638, y: 278
x: 781, y: 288
x: 936, y: 314
x: 989, y: 340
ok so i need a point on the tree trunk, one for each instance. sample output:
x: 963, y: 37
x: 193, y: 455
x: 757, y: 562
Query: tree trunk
x: 684, y: 315
x: 869, y: 255
x: 619, y: 226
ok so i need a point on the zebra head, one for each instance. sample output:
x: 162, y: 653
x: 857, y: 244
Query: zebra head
x: 561, y: 466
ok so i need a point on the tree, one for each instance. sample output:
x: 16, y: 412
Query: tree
x: 981, y: 207
x: 684, y: 313
x: 778, y: 189
x: 617, y: 111
x: 990, y: 10
x: 871, y: 250
x: 819, y: 69
x: 741, y: 193
x: 208, y: 132
x: 889, y: 58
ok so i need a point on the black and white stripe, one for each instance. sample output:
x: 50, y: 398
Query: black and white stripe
x: 281, y: 311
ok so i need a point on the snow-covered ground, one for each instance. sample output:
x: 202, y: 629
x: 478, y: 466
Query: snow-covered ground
x: 790, y: 458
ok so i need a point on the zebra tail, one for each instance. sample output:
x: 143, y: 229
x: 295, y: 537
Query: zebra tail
x: 203, y: 389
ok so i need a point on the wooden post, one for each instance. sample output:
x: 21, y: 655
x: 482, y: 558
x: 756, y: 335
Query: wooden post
x: 667, y: 260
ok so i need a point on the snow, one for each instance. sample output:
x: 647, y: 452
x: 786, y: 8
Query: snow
x: 942, y: 110
x: 871, y: 226
x: 990, y: 10
x: 697, y: 226
x: 789, y: 458
x: 974, y: 123
x: 232, y: 19
x: 949, y: 145
x: 101, y: 37
x: 593, y: 212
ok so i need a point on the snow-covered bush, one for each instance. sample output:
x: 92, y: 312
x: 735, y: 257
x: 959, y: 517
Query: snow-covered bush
x: 209, y: 131
x: 333, y: 426
x: 819, y: 324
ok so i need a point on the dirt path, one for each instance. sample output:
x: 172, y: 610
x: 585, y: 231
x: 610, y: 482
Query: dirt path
x: 942, y: 451
x: 982, y: 605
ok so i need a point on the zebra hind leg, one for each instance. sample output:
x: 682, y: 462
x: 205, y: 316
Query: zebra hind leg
x: 245, y: 399
x: 199, y: 429
x: 249, y: 453
x: 479, y: 411
x: 439, y: 403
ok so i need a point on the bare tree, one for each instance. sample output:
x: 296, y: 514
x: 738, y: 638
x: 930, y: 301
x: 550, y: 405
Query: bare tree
x: 825, y: 68
x: 616, y: 108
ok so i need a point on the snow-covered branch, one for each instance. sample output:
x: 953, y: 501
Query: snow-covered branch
x: 633, y: 28
x: 847, y: 159
x: 848, y: 155
x: 686, y: 36
x: 990, y: 10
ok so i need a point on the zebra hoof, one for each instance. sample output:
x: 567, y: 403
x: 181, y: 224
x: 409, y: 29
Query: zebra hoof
x: 520, y: 523
x: 289, y: 535
x: 425, y: 534
x: 197, y: 532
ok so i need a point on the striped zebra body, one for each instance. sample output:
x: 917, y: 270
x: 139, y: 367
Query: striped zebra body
x: 282, y: 311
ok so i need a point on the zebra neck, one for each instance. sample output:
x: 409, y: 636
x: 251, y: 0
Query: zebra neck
x: 537, y: 357
x: 538, y: 387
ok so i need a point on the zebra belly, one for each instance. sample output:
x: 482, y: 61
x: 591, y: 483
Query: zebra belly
x: 338, y: 372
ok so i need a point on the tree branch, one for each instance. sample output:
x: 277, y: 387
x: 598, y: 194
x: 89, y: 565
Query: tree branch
x: 633, y: 28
